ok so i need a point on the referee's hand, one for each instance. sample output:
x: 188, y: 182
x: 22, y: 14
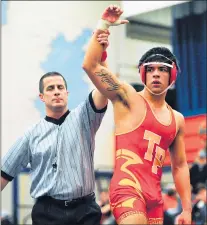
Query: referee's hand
x: 103, y: 39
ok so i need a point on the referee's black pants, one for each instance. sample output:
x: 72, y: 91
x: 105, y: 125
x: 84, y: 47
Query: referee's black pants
x: 81, y: 211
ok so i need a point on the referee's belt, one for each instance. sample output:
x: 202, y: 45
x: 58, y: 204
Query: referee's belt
x: 84, y: 199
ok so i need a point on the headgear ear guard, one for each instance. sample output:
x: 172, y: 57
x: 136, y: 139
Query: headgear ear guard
x: 173, y: 71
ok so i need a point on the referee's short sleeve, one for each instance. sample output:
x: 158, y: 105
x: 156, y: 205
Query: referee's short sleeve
x: 94, y: 107
x: 16, y: 158
x: 95, y: 115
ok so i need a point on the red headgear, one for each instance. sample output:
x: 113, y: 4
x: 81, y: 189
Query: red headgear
x: 173, y: 71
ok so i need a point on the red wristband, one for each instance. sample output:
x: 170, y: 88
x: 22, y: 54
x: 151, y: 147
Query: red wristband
x: 104, y: 56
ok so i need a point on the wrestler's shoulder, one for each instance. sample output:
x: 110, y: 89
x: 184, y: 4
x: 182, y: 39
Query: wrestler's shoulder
x: 179, y: 116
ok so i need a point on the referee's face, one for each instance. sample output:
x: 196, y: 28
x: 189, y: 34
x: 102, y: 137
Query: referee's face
x: 55, y: 95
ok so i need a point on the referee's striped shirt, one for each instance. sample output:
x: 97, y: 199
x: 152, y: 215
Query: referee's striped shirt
x: 60, y: 153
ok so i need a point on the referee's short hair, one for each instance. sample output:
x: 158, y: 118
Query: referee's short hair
x: 49, y: 74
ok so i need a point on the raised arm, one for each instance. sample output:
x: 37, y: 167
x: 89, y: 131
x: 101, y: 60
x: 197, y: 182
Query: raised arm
x: 100, y: 100
x: 106, y: 82
x: 180, y: 172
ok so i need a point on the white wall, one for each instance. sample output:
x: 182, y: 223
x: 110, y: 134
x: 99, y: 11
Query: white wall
x: 137, y: 7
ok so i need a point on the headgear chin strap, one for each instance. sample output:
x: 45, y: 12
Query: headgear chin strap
x: 173, y: 72
x: 161, y: 92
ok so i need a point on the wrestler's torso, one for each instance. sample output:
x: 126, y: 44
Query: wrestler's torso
x: 140, y: 154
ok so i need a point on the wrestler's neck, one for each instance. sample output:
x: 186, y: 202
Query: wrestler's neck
x: 56, y: 113
x: 157, y: 101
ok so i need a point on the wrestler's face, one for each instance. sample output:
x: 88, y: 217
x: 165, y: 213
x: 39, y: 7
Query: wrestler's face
x: 157, y: 77
x: 55, y: 95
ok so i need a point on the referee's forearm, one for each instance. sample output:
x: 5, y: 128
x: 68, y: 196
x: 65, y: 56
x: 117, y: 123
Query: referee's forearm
x: 4, y: 182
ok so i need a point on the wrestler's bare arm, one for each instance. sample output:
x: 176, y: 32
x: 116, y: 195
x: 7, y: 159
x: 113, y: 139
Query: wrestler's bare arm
x: 180, y: 169
x: 100, y: 100
x: 105, y: 81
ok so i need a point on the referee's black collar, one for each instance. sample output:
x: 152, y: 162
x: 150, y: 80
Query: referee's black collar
x: 57, y: 121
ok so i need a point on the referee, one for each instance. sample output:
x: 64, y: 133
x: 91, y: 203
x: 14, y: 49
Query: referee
x: 60, y: 151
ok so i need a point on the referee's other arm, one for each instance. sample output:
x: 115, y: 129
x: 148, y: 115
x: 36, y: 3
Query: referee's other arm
x: 4, y: 182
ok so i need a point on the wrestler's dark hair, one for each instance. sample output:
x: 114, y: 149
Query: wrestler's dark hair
x: 154, y: 54
x: 49, y: 74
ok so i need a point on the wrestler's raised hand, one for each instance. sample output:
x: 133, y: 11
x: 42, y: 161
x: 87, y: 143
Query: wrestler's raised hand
x: 112, y: 14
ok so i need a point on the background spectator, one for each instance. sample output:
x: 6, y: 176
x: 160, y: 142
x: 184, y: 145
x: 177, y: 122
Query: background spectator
x: 198, y: 171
